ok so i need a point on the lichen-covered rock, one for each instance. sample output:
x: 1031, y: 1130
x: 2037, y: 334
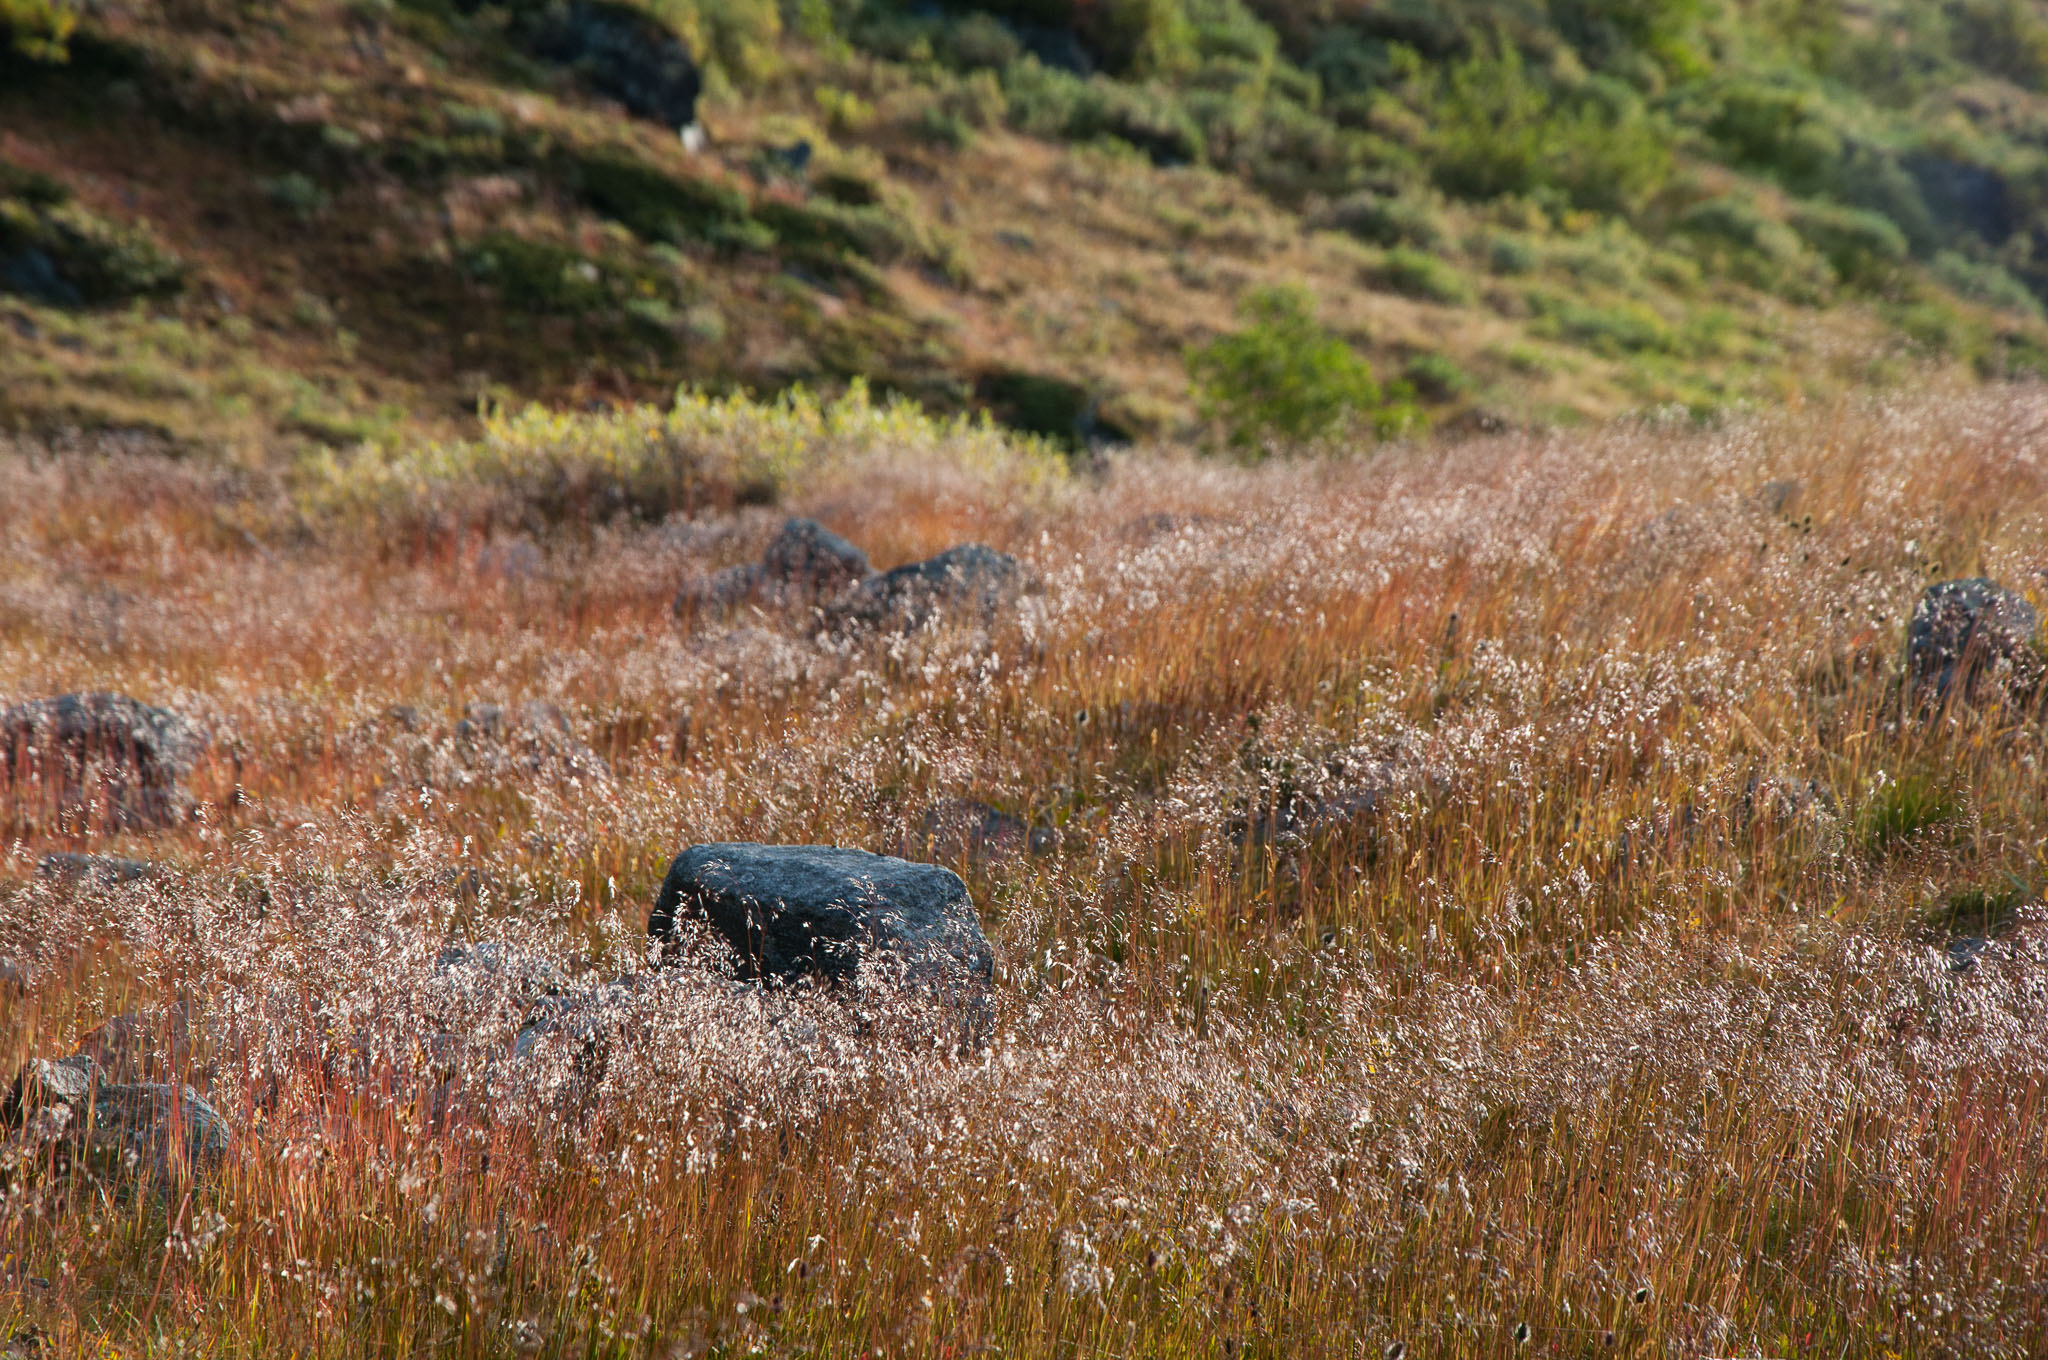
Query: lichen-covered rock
x: 809, y: 557
x: 103, y: 761
x: 162, y: 1130
x: 972, y: 584
x: 1973, y: 637
x: 794, y: 911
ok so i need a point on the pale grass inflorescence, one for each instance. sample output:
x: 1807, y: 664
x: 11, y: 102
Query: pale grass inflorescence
x: 1451, y: 916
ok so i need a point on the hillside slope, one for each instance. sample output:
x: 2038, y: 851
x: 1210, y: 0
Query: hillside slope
x: 280, y: 225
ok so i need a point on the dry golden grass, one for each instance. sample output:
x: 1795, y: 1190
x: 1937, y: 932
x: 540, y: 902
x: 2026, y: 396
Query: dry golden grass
x: 1570, y: 1037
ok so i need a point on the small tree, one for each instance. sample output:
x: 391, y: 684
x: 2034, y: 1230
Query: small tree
x: 1285, y: 377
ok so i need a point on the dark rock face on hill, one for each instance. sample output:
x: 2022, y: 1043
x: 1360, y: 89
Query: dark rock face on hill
x: 619, y: 52
x: 817, y: 911
x: 98, y: 758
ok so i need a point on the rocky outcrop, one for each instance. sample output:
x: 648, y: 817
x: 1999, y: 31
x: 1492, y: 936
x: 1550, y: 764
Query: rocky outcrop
x: 971, y: 584
x: 1973, y: 639
x: 821, y: 912
x: 98, y: 761
x: 805, y: 563
x: 618, y: 51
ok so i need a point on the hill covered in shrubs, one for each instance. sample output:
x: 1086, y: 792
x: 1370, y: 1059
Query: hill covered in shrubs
x: 279, y: 225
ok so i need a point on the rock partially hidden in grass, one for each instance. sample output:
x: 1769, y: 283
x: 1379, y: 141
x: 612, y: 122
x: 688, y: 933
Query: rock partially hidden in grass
x: 98, y: 760
x: 1972, y: 637
x: 532, y: 738
x: 70, y: 869
x: 160, y: 1130
x: 804, y: 563
x: 809, y: 557
x: 817, y: 911
x: 972, y: 582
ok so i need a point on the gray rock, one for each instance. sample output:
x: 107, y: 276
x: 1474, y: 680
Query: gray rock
x: 100, y: 758
x: 805, y: 562
x: 1969, y: 637
x: 530, y: 738
x: 1964, y: 952
x: 70, y: 869
x: 820, y: 911
x: 971, y: 583
x: 810, y: 557
x: 170, y: 1131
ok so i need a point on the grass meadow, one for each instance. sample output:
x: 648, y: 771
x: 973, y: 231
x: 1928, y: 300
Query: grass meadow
x: 1484, y: 899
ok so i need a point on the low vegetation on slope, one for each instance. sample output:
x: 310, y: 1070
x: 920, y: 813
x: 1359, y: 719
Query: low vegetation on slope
x: 1514, y: 897
x: 315, y: 223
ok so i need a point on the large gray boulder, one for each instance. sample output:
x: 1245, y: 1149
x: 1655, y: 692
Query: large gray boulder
x: 972, y: 583
x: 101, y: 759
x: 809, y: 557
x: 795, y: 911
x: 162, y: 1130
x: 1969, y: 634
x: 803, y: 564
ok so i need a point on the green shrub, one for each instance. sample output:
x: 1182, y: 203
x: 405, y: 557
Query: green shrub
x: 1388, y: 219
x: 1780, y: 129
x: 1416, y: 274
x: 1437, y: 377
x: 1496, y: 129
x: 981, y: 42
x: 2006, y: 37
x: 655, y: 206
x: 1512, y: 254
x: 1056, y: 104
x: 296, y: 194
x: 537, y: 276
x: 1985, y: 282
x: 1735, y: 238
x: 1863, y: 247
x: 1284, y: 377
x: 540, y: 468
x: 90, y: 260
x: 1609, y: 331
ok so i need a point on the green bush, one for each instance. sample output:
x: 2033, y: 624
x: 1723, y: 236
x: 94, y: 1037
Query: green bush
x: 1057, y: 104
x: 2006, y: 37
x: 39, y: 30
x: 1734, y: 237
x: 1985, y: 282
x: 656, y: 206
x: 1506, y: 254
x: 1497, y: 129
x: 1437, y: 377
x: 537, y: 276
x: 1863, y: 247
x: 1284, y: 377
x: 1417, y: 274
x: 89, y: 260
x: 1613, y: 332
x: 1388, y: 219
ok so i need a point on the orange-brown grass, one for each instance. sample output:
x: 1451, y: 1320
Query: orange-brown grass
x: 1574, y: 1038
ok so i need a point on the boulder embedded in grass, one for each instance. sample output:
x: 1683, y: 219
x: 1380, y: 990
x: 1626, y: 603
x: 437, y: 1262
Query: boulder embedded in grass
x: 972, y: 583
x: 795, y: 911
x: 99, y: 758
x: 1967, y: 635
x: 809, y: 557
x: 168, y: 1129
